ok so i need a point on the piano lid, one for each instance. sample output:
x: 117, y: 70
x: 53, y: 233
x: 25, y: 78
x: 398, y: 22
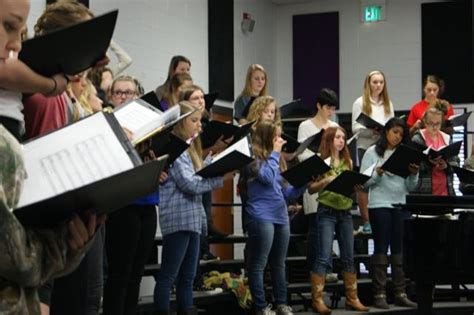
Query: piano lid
x: 436, y: 205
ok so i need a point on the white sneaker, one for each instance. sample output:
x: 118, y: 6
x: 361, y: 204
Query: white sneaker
x: 266, y: 311
x: 283, y: 309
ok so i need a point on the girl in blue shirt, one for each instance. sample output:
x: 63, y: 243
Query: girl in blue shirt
x: 268, y: 223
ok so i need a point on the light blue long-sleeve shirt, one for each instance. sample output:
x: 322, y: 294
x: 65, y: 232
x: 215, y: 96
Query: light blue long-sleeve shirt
x: 266, y: 194
x: 388, y: 188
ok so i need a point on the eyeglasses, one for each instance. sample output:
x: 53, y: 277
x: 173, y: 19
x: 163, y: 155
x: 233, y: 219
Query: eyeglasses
x: 432, y: 124
x: 119, y: 93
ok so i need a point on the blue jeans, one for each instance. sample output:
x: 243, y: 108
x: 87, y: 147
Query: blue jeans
x: 328, y: 222
x: 267, y: 242
x: 387, y: 229
x: 312, y: 249
x: 179, y: 257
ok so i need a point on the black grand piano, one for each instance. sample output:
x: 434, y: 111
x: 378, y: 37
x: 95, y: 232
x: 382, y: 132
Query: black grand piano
x: 438, y: 249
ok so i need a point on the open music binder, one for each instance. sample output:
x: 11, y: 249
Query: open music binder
x: 304, y: 172
x: 144, y: 120
x: 403, y: 156
x: 458, y: 120
x: 293, y: 146
x: 233, y: 158
x: 89, y: 164
x: 445, y: 152
x: 209, y: 100
x: 70, y: 50
x: 368, y: 122
x: 216, y: 129
x: 168, y: 144
x: 344, y: 183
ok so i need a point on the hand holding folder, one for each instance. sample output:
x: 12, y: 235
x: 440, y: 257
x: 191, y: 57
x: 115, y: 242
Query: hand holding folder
x: 398, y: 163
x: 293, y: 146
x: 304, y: 172
x: 345, y: 183
x: 216, y: 130
x: 233, y: 158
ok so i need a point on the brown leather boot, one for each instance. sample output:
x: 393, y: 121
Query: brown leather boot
x: 378, y: 271
x: 399, y: 283
x: 317, y: 289
x: 352, y: 300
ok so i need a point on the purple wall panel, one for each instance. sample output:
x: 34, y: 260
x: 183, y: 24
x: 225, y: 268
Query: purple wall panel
x: 315, y: 55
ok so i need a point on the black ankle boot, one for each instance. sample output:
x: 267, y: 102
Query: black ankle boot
x: 189, y: 311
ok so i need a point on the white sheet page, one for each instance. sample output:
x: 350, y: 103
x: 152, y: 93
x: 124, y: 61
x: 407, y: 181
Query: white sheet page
x: 137, y: 117
x: 72, y: 157
x: 241, y: 146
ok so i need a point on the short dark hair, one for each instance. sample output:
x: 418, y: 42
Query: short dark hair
x: 327, y: 97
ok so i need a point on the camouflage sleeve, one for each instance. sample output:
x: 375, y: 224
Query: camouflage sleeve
x: 29, y: 256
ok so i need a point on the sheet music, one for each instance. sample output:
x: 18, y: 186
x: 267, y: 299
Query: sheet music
x: 241, y: 146
x: 141, y: 118
x: 72, y: 157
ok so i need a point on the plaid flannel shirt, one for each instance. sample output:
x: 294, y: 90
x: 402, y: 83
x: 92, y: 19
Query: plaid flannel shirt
x: 181, y: 206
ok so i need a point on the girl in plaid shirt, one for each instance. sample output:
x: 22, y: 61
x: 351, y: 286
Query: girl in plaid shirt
x: 182, y: 217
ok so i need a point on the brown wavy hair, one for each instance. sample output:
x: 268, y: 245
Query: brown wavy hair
x: 327, y: 145
x: 61, y: 14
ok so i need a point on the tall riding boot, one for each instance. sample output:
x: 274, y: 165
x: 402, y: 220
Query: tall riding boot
x: 378, y: 271
x: 317, y: 289
x: 352, y: 300
x: 398, y: 279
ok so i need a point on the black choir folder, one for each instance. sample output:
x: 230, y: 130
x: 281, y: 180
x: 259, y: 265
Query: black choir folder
x: 209, y: 100
x: 152, y: 99
x: 458, y: 120
x: 216, y: 129
x: 344, y: 183
x: 70, y: 50
x: 465, y: 176
x: 167, y: 143
x: 233, y: 158
x: 403, y: 156
x: 446, y: 152
x: 293, y: 146
x: 304, y: 172
x: 368, y: 122
x: 88, y: 165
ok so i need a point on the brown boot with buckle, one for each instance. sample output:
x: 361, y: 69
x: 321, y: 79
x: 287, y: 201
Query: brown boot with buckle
x: 378, y: 271
x: 399, y: 283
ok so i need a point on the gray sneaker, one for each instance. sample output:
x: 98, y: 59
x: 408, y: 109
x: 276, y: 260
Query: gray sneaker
x: 266, y: 311
x: 283, y: 309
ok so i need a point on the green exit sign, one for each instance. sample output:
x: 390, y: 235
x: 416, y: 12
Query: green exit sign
x: 372, y: 14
